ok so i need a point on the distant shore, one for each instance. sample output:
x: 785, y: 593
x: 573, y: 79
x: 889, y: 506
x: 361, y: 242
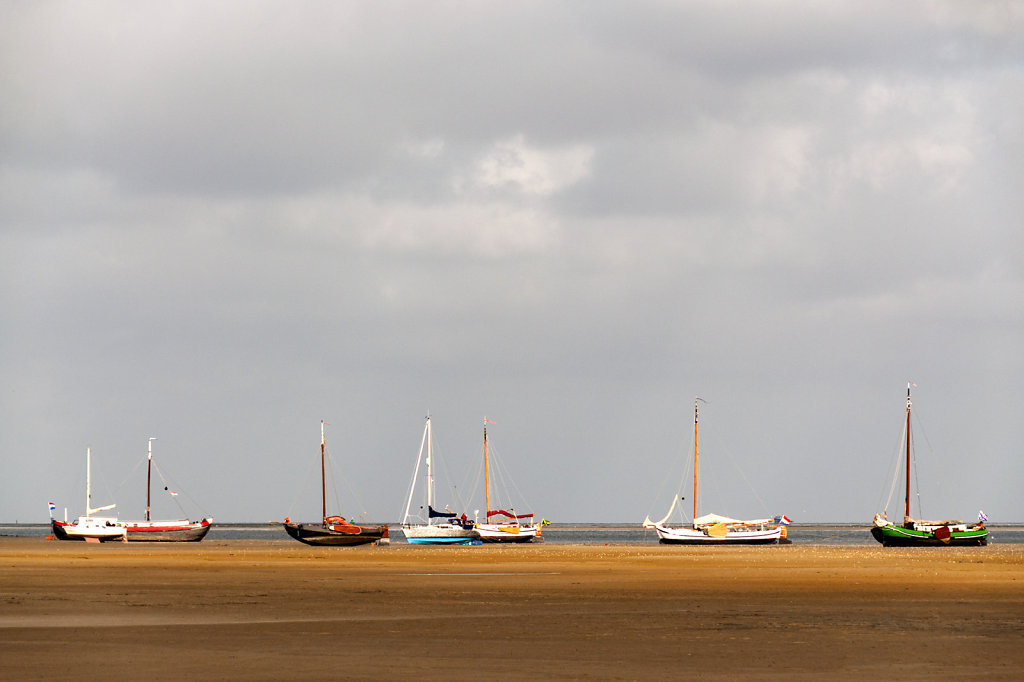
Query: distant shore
x: 271, y: 609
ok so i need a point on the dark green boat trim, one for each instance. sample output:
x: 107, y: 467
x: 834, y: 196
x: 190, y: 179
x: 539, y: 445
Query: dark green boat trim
x: 898, y: 536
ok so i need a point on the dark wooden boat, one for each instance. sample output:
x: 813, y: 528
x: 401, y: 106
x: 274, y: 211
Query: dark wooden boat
x: 335, y: 531
x: 332, y: 531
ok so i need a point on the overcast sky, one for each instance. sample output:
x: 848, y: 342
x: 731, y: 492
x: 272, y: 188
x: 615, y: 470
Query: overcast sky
x: 221, y: 223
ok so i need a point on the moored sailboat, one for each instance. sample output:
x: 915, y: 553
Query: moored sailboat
x: 440, y: 527
x: 921, y: 533
x: 507, y: 525
x: 179, y: 530
x: 713, y: 529
x: 332, y: 531
x: 89, y: 528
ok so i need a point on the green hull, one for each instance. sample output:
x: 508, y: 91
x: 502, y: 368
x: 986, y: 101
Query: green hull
x: 898, y: 536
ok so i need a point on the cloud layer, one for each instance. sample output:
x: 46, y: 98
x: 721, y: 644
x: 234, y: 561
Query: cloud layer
x: 222, y: 224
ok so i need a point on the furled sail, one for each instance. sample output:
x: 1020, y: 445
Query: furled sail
x: 508, y: 514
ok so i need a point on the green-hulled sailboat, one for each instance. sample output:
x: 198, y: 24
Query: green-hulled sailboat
x: 918, y: 533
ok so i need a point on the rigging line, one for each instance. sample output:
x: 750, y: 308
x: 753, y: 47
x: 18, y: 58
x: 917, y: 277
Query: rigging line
x: 732, y: 461
x: 477, y: 477
x: 468, y: 479
x: 943, y: 477
x: 453, y: 490
x: 513, y: 497
x: 896, y: 469
x: 500, y: 497
x: 682, y: 487
x: 518, y: 493
x: 353, y: 495
x: 917, y: 482
x: 514, y: 500
x: 512, y: 491
x: 174, y: 498
x: 305, y: 487
x: 138, y: 463
x: 105, y: 489
x: 329, y: 473
x: 412, y: 485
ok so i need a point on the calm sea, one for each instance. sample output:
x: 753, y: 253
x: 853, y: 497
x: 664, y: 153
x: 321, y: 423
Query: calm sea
x: 579, y: 534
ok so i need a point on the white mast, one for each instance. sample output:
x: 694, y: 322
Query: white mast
x: 88, y: 482
x: 430, y: 477
x: 416, y: 472
x: 149, y: 475
x: 88, y: 487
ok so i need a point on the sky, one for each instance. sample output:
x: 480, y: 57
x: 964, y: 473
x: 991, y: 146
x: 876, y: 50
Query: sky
x: 221, y: 224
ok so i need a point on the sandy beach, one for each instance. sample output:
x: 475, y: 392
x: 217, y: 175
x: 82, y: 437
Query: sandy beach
x: 282, y: 610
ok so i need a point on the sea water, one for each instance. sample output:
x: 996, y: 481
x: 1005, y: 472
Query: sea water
x: 575, y: 534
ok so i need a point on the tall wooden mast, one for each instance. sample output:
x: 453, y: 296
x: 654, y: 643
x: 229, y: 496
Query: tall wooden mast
x: 695, y: 461
x: 906, y: 504
x: 149, y: 475
x: 88, y: 481
x: 487, y: 480
x: 323, y: 469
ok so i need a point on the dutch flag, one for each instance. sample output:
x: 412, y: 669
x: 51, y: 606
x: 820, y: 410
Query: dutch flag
x: 982, y: 517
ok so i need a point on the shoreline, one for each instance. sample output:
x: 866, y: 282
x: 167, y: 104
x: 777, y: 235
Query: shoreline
x: 272, y: 609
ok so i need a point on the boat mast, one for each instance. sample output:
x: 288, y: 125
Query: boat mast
x: 694, y: 517
x: 487, y: 483
x: 906, y: 504
x: 430, y: 477
x: 149, y: 475
x: 88, y: 482
x: 323, y: 470
x: 416, y: 474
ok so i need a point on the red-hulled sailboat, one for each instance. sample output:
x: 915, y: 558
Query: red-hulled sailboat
x: 176, y: 530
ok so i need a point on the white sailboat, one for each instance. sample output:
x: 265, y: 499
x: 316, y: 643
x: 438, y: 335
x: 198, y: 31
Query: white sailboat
x: 508, y: 526
x: 440, y: 527
x: 713, y: 529
x: 90, y: 528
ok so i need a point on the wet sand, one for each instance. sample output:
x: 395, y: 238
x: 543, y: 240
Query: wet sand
x: 282, y: 610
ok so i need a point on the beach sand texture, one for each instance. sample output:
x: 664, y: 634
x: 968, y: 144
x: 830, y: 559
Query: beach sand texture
x: 282, y: 610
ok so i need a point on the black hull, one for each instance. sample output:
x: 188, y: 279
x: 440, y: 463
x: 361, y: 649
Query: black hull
x: 58, y: 532
x: 319, y: 536
x: 512, y: 539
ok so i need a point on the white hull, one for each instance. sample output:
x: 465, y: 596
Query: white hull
x: 732, y: 536
x: 440, y: 534
x: 91, y: 528
x: 506, y: 532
